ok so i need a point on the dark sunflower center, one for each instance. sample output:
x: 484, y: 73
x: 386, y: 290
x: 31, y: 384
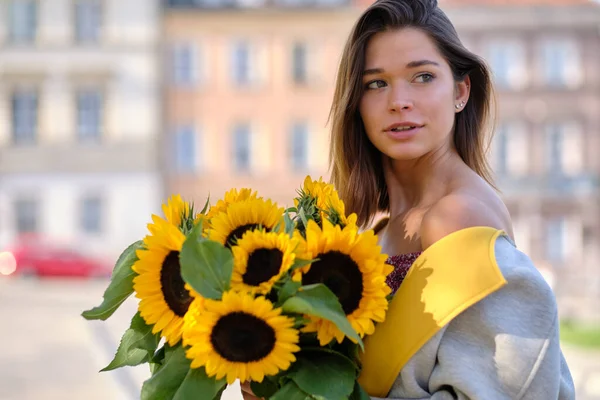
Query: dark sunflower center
x: 341, y: 275
x: 173, y: 287
x: 263, y: 264
x: 241, y: 337
x: 237, y: 234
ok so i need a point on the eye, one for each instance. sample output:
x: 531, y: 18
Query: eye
x: 425, y: 77
x: 376, y: 84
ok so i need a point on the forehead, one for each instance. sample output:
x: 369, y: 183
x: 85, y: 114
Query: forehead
x: 401, y: 46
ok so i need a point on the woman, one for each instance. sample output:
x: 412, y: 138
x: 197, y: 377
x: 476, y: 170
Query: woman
x: 473, y: 319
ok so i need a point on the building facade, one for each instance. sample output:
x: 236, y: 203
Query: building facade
x: 247, y: 92
x: 79, y: 118
x: 546, y: 65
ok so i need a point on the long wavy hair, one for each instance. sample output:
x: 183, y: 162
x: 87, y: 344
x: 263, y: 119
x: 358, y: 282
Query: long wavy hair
x: 356, y: 167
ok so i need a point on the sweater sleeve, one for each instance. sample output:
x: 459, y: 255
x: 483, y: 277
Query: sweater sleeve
x: 504, y: 347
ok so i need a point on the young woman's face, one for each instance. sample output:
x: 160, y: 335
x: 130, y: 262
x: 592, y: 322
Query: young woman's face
x: 409, y: 99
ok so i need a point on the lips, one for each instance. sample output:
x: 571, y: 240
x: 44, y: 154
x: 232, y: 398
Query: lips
x: 402, y: 126
x: 403, y: 131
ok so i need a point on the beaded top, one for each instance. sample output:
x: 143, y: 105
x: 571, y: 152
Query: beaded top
x: 401, y: 264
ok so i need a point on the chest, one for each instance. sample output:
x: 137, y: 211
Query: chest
x: 402, y: 234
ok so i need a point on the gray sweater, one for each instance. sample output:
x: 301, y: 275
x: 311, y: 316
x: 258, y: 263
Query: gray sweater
x: 506, y: 346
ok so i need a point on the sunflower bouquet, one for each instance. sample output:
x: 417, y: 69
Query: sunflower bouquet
x: 248, y: 290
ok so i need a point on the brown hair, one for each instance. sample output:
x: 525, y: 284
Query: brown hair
x: 356, y: 169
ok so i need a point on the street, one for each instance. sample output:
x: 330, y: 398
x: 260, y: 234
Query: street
x: 49, y: 352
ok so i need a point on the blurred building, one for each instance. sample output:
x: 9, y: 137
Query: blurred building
x: 79, y: 115
x: 546, y: 63
x: 248, y: 87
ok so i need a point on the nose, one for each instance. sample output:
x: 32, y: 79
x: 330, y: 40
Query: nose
x: 399, y: 101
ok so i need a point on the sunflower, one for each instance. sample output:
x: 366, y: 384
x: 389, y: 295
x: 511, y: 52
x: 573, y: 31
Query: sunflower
x: 164, y: 296
x: 351, y: 265
x: 259, y: 260
x: 175, y: 210
x: 229, y: 226
x: 232, y: 196
x: 327, y: 201
x: 240, y: 337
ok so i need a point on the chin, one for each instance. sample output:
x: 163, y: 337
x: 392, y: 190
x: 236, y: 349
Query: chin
x: 406, y: 153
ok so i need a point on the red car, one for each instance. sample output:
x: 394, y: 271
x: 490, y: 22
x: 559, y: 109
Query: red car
x: 37, y: 258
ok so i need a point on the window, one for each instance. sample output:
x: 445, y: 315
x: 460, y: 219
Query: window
x: 561, y: 63
x: 564, y: 238
x: 507, y: 59
x: 241, y: 147
x: 24, y: 116
x: 511, y: 149
x: 26, y: 215
x: 87, y: 21
x: 241, y: 63
x: 184, y: 64
x: 23, y: 21
x: 89, y: 115
x: 565, y: 149
x: 299, y: 146
x: 310, y: 3
x: 522, y: 231
x: 249, y: 62
x: 299, y: 63
x: 499, y: 151
x: 555, y: 238
x: 91, y: 215
x: 185, y: 149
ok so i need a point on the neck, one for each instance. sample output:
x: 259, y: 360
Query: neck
x: 419, y: 182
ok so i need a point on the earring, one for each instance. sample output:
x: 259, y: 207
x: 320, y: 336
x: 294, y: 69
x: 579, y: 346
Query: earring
x: 459, y: 106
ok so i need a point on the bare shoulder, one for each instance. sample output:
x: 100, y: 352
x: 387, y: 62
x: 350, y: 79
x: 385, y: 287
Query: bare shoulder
x: 458, y: 211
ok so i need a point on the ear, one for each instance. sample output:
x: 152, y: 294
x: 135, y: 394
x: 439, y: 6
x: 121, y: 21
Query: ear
x: 462, y: 91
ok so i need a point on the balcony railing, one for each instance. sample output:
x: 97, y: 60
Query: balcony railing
x: 550, y: 185
x: 246, y: 4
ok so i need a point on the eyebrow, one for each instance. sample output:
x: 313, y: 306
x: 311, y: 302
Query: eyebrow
x: 412, y: 64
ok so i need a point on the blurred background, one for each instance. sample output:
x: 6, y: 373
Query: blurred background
x: 109, y: 106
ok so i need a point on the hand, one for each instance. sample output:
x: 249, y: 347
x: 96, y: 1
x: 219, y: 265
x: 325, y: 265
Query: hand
x: 247, y: 392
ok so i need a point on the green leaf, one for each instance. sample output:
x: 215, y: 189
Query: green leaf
x: 166, y: 381
x: 317, y: 300
x: 157, y: 360
x: 299, y: 263
x: 264, y: 389
x: 359, y: 393
x: 120, y: 287
x: 300, y: 322
x: 289, y: 224
x: 303, y: 218
x: 324, y: 374
x: 290, y: 391
x: 334, y: 351
x: 137, y: 346
x: 206, y: 205
x: 288, y: 290
x: 220, y: 393
x: 206, y: 265
x: 348, y: 349
x: 198, y: 385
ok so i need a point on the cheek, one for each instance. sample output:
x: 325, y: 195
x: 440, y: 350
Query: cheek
x: 443, y: 106
x: 365, y: 113
x: 368, y: 112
